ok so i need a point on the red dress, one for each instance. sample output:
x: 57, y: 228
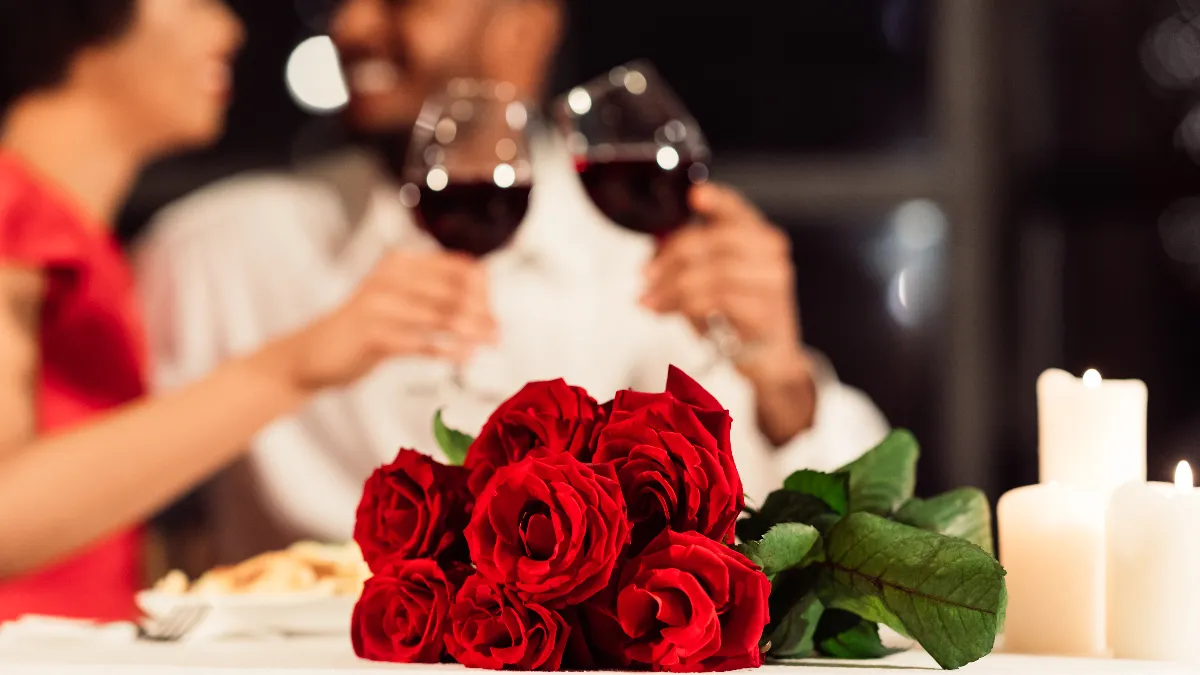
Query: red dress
x: 92, y: 359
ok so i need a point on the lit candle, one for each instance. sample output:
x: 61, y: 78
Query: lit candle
x: 1091, y: 431
x: 1154, y: 570
x: 1052, y: 547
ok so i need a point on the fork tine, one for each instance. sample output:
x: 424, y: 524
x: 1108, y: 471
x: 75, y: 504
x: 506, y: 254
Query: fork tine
x: 177, y: 623
x: 170, y: 627
x: 190, y: 620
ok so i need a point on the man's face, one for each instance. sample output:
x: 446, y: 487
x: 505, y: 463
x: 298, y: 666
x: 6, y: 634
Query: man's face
x: 396, y: 53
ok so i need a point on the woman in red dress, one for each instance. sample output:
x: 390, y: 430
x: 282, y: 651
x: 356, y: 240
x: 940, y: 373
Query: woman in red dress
x: 89, y: 91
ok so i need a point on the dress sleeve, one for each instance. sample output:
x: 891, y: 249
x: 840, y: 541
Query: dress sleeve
x: 37, y: 230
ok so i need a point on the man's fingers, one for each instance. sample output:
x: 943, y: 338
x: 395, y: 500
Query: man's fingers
x: 685, y: 292
x: 685, y: 249
x: 751, y: 279
x: 722, y: 249
x: 716, y: 202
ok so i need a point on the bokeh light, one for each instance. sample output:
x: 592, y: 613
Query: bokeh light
x: 314, y: 76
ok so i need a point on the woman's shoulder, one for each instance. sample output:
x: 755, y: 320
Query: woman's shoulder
x: 38, y: 227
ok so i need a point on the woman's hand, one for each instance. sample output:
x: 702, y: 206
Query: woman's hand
x: 412, y: 304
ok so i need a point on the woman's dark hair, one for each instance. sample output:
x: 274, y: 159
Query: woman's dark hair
x: 38, y: 39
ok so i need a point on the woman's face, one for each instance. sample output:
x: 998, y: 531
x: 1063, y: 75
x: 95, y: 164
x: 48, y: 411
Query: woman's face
x: 169, y: 74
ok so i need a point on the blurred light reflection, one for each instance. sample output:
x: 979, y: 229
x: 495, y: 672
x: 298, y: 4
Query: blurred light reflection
x: 314, y: 76
x: 667, y: 158
x: 579, y: 101
x: 910, y: 259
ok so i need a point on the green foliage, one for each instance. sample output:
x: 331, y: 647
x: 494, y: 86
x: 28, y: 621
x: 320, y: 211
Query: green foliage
x: 885, y: 477
x: 945, y: 592
x: 792, y: 638
x: 844, y: 635
x: 849, y: 550
x: 831, y: 488
x: 782, y: 506
x: 785, y: 546
x: 963, y: 513
x: 453, y: 443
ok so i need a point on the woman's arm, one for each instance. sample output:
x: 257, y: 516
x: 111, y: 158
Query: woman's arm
x: 21, y: 291
x: 60, y: 492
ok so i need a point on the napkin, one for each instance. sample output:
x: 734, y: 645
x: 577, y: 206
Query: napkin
x: 30, y: 627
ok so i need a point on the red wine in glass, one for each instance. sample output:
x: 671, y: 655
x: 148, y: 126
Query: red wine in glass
x: 640, y: 194
x: 475, y: 218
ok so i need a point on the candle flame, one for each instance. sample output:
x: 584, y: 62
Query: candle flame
x: 1092, y: 379
x: 1183, y: 476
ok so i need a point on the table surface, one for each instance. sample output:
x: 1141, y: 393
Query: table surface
x: 335, y: 657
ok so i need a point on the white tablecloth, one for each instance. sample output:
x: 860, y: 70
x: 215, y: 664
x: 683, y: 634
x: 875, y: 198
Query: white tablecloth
x: 334, y: 657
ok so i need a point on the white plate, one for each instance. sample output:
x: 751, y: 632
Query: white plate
x: 257, y: 615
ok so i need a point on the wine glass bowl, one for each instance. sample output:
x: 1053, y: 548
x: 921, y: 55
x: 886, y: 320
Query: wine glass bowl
x: 637, y: 149
x: 468, y: 175
x: 638, y: 152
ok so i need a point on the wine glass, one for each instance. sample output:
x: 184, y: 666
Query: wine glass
x: 638, y: 152
x: 468, y: 176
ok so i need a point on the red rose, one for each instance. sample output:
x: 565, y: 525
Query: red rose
x: 491, y: 627
x: 673, y: 458
x: 401, y: 616
x: 551, y: 528
x: 412, y: 508
x: 686, y: 604
x: 549, y: 415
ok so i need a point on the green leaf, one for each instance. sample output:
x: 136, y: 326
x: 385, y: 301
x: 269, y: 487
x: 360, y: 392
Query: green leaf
x: 831, y: 488
x: 825, y: 521
x: 781, y: 506
x: 843, y: 635
x: 454, y: 443
x: 884, y: 478
x: 792, y: 636
x: 1003, y: 613
x: 946, y: 593
x: 962, y: 513
x: 783, y: 547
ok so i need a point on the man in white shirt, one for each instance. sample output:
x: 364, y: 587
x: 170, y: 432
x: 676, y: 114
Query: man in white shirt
x: 572, y: 297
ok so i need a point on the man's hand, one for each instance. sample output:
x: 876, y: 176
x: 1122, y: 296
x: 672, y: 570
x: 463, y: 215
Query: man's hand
x: 738, y: 265
x: 428, y: 304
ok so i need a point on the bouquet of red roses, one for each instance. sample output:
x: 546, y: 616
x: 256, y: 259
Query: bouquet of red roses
x: 573, y: 535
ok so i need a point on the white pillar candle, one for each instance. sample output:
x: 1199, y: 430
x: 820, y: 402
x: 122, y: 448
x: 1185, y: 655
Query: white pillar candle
x: 1091, y: 431
x: 1154, y: 570
x: 1052, y: 546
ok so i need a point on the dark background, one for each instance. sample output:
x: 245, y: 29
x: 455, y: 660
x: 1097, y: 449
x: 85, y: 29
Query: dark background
x: 977, y: 190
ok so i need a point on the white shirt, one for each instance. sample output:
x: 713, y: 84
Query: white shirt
x: 252, y: 258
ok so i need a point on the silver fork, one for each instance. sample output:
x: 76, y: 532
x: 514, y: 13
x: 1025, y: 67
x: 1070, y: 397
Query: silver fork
x: 177, y: 623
